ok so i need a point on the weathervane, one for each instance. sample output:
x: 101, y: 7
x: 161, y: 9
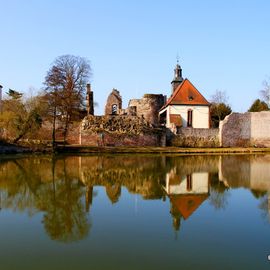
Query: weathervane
x: 177, y: 58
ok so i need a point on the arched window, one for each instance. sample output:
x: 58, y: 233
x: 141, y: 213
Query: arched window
x: 114, y: 109
x: 189, y: 182
x: 189, y: 118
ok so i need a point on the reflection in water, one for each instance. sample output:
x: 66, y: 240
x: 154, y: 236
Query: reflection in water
x: 186, y: 193
x: 64, y: 218
x: 251, y: 172
x: 219, y: 192
x: 63, y: 187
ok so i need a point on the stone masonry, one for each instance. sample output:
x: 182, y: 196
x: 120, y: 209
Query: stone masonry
x: 195, y: 137
x: 245, y: 130
x: 119, y: 131
x: 148, y: 107
x: 112, y: 124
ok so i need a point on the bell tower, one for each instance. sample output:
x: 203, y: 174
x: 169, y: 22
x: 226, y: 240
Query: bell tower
x: 178, y: 79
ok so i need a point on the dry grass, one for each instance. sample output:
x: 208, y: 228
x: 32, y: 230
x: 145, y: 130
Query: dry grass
x: 159, y: 150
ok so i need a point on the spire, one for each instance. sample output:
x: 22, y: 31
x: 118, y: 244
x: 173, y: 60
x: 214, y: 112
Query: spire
x: 178, y: 79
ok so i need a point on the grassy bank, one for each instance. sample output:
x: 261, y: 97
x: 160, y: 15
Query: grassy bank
x: 157, y: 150
x: 77, y: 149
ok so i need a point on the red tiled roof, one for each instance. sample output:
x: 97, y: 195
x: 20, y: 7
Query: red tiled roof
x: 187, y: 204
x: 186, y: 94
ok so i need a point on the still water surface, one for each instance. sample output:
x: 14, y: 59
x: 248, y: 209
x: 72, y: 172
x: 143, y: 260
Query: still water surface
x: 135, y: 212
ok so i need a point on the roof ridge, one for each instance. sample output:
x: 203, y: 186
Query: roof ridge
x: 177, y: 94
x: 198, y: 90
x: 176, y: 90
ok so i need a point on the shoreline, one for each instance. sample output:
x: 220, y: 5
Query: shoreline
x: 80, y: 149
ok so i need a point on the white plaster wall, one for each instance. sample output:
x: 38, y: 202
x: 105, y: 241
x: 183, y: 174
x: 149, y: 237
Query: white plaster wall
x: 200, y: 115
x: 199, y: 184
x: 245, y: 129
x: 260, y: 125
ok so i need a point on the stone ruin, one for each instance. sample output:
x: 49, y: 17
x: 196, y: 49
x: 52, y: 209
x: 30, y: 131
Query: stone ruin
x: 114, y: 103
x: 137, y: 125
x: 147, y: 107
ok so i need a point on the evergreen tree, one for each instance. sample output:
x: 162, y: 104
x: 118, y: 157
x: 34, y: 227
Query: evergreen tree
x: 258, y: 106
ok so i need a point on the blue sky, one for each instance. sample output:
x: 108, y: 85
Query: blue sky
x: 132, y: 45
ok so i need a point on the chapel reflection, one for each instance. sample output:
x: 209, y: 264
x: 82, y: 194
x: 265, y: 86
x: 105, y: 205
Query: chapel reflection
x: 186, y: 193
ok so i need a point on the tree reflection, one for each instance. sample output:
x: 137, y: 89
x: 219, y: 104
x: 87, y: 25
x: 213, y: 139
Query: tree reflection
x: 258, y: 193
x: 113, y: 192
x: 65, y: 218
x: 29, y: 184
x: 18, y: 187
x: 219, y: 193
x: 264, y: 207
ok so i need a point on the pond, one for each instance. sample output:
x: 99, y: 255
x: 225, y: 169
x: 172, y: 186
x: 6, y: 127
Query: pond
x: 135, y: 212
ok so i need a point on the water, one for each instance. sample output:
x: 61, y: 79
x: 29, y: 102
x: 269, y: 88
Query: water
x: 135, y: 212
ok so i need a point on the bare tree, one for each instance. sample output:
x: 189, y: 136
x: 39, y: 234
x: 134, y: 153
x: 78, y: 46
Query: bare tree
x: 219, y: 107
x: 219, y: 97
x: 265, y: 93
x: 65, y: 88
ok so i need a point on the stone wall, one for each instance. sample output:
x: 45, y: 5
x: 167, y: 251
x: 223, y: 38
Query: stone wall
x: 45, y: 132
x: 124, y: 139
x: 73, y: 135
x: 148, y: 107
x: 235, y: 130
x: 117, y: 123
x: 119, y: 131
x: 245, y: 130
x: 196, y: 137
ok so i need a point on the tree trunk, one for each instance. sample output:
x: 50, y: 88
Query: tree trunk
x: 66, y: 129
x: 18, y: 138
x: 53, y: 131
